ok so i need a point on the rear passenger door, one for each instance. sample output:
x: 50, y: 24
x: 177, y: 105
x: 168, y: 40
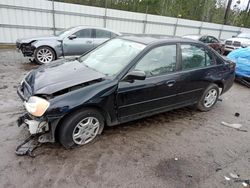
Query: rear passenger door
x: 197, y: 65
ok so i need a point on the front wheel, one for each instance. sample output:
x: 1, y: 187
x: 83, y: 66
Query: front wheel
x: 44, y: 55
x: 209, y: 98
x: 80, y: 128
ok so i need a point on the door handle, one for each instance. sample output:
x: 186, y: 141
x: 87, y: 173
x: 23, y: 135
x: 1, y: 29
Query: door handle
x: 170, y: 83
x: 88, y: 41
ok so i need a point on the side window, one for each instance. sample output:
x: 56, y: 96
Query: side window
x: 84, y: 33
x: 158, y: 61
x: 194, y: 57
x: 102, y: 34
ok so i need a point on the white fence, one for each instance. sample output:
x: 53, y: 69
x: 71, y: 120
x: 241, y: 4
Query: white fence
x: 25, y: 18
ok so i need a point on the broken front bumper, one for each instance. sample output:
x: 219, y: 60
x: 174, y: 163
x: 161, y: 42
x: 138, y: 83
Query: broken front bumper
x: 34, y: 126
x: 43, y: 127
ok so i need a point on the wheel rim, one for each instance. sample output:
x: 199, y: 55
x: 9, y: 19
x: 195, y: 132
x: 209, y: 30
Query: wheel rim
x: 44, y: 55
x: 210, y: 98
x: 86, y: 130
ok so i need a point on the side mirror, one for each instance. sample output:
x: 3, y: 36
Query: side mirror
x: 71, y: 37
x: 233, y: 36
x: 135, y: 75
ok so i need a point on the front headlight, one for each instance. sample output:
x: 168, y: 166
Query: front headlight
x: 36, y: 106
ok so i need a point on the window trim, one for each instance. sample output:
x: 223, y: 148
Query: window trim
x: 206, y: 50
x: 150, y: 49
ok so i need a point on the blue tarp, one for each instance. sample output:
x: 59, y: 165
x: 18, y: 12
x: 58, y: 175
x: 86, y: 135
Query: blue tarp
x: 242, y: 59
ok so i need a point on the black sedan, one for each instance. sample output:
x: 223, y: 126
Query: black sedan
x: 124, y: 79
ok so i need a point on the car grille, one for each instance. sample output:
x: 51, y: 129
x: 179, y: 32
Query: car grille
x: 228, y: 42
x: 236, y: 43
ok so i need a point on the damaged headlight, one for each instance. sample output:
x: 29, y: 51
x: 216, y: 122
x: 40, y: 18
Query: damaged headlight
x: 36, y: 106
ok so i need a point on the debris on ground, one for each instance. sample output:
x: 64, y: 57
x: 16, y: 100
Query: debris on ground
x: 218, y: 169
x: 227, y: 178
x: 28, y: 146
x: 232, y: 125
x: 235, y: 176
x: 176, y: 159
x: 237, y: 114
x: 245, y: 183
x: 219, y: 99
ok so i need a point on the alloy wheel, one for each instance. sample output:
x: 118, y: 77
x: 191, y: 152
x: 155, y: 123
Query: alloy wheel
x: 210, y: 98
x: 86, y: 130
x: 44, y: 55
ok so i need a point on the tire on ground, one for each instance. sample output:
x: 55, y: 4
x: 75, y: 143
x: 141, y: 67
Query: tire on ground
x: 45, y: 48
x: 65, y: 132
x: 200, y: 105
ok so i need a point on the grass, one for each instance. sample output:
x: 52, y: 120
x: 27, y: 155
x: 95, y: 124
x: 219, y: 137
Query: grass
x: 7, y: 46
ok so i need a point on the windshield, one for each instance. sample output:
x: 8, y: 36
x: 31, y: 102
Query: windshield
x: 244, y: 35
x: 64, y: 32
x: 111, y: 57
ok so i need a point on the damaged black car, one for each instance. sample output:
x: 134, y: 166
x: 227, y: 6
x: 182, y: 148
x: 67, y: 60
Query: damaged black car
x: 124, y: 79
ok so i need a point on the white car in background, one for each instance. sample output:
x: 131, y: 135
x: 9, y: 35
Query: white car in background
x: 240, y: 41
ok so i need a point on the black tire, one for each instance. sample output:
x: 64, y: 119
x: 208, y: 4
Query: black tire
x: 65, y: 132
x: 201, y: 105
x: 52, y: 56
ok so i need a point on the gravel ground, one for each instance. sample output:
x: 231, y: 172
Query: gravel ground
x: 181, y: 148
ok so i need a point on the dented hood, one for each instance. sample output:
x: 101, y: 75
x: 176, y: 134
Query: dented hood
x: 30, y: 39
x: 60, y: 75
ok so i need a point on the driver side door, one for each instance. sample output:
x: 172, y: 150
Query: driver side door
x: 79, y: 45
x: 157, y: 92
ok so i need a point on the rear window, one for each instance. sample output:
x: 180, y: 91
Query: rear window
x: 195, y: 57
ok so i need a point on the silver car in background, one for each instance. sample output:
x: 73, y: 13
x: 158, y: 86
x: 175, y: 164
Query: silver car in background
x: 73, y: 41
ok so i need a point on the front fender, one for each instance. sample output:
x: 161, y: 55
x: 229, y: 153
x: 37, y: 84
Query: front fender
x: 54, y: 44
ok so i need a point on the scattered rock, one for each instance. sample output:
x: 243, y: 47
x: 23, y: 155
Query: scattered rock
x: 237, y: 114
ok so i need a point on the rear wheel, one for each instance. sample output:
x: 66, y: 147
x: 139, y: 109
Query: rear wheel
x: 209, y: 98
x: 44, y: 55
x: 80, y: 128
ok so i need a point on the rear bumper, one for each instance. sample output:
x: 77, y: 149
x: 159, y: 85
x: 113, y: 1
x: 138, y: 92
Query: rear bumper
x: 228, y: 82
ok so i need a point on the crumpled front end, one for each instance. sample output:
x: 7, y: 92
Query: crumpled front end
x: 35, y: 118
x: 26, y: 48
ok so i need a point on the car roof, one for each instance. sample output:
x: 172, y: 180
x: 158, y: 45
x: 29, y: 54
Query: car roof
x: 93, y: 27
x: 150, y: 40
